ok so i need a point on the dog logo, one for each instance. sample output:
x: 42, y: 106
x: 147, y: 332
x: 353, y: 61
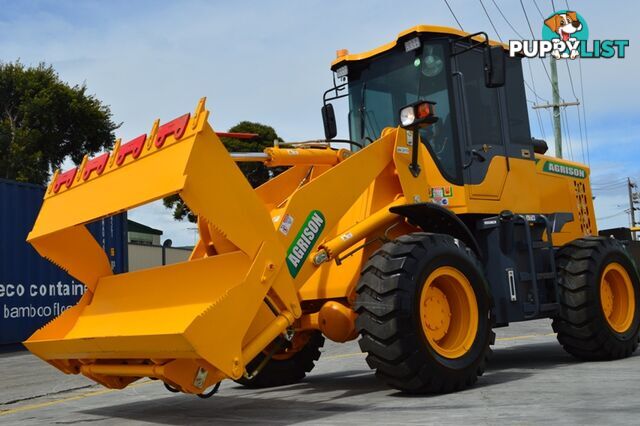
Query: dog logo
x: 567, y: 27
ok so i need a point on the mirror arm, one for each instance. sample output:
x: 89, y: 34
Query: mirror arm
x: 337, y: 95
x: 469, y: 38
x: 414, y: 167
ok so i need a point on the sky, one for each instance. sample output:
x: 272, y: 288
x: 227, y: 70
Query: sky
x: 268, y: 61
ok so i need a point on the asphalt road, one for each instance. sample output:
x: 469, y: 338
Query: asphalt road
x: 530, y: 380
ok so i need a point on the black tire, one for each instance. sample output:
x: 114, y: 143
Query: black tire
x: 581, y: 324
x: 280, y: 372
x: 388, y: 299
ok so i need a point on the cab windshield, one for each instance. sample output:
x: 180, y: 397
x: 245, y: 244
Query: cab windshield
x: 390, y: 82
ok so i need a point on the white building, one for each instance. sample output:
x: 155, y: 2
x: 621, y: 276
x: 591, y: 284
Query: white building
x: 146, y: 250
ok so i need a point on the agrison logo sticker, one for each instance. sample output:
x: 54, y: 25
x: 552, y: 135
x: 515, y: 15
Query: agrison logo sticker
x: 565, y: 35
x: 304, y: 241
x: 564, y: 170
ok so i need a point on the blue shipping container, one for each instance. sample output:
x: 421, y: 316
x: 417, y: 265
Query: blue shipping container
x: 33, y: 290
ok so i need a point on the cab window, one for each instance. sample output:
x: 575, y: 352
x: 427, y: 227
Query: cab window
x: 380, y: 89
x: 482, y: 108
x: 518, y: 117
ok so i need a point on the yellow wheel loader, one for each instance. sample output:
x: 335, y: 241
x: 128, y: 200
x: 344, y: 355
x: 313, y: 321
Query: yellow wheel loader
x: 442, y: 220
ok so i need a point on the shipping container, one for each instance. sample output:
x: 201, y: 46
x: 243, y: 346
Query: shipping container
x: 33, y: 290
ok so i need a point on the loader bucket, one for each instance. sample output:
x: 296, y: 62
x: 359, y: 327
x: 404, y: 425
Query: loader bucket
x: 194, y: 323
x: 183, y: 323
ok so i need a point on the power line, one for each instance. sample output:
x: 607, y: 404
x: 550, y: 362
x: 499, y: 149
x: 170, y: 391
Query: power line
x: 558, y: 115
x: 454, y: 15
x: 611, y: 183
x: 533, y: 82
x: 565, y: 139
x: 490, y: 21
x: 527, y: 18
x: 532, y: 89
x: 550, y: 118
x: 541, y: 124
x: 612, y: 216
x: 534, y: 92
x: 615, y: 180
x: 537, y: 7
x: 571, y: 80
x: 608, y: 188
x: 544, y: 136
x: 534, y: 36
x: 584, y: 112
x: 577, y: 110
x: 536, y: 110
x: 506, y: 20
x: 584, y: 159
x: 620, y: 179
x: 565, y: 127
x: 566, y: 119
x: 538, y: 113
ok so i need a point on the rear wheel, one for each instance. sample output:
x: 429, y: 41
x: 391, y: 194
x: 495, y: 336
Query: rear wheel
x: 288, y: 366
x: 424, y: 314
x: 599, y: 315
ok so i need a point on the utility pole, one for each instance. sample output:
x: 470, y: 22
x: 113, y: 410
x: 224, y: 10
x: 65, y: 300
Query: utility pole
x: 557, y: 131
x: 556, y: 105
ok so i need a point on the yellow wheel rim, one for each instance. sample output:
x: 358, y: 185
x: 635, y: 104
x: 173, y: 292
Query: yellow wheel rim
x: 617, y: 297
x: 449, y: 312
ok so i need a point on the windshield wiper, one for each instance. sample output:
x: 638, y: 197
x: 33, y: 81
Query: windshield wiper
x: 362, y: 109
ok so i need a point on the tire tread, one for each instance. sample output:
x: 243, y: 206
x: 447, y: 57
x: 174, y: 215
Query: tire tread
x: 388, y: 335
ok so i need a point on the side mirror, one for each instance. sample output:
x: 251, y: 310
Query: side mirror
x: 329, y: 121
x: 494, y: 66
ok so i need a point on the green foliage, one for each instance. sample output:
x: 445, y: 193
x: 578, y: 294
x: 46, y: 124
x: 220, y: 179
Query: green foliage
x: 256, y: 173
x: 44, y: 120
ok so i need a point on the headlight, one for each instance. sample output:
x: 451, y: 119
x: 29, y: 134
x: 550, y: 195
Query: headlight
x: 407, y: 116
x: 421, y: 113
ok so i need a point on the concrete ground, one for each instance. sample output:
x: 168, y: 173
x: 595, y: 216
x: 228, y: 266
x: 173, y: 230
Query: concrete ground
x: 530, y: 380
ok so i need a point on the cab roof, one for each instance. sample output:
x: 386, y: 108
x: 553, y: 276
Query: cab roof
x: 418, y: 29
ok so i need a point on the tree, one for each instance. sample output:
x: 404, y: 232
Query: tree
x: 44, y: 120
x: 256, y: 173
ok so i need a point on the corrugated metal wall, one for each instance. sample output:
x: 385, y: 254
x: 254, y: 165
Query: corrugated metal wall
x: 142, y: 256
x: 32, y: 289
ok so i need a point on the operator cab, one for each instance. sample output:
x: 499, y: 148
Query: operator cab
x: 477, y: 90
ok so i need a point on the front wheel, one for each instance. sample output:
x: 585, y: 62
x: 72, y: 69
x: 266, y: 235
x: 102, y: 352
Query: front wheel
x: 424, y: 314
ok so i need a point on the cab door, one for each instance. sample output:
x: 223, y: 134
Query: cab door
x: 480, y: 116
